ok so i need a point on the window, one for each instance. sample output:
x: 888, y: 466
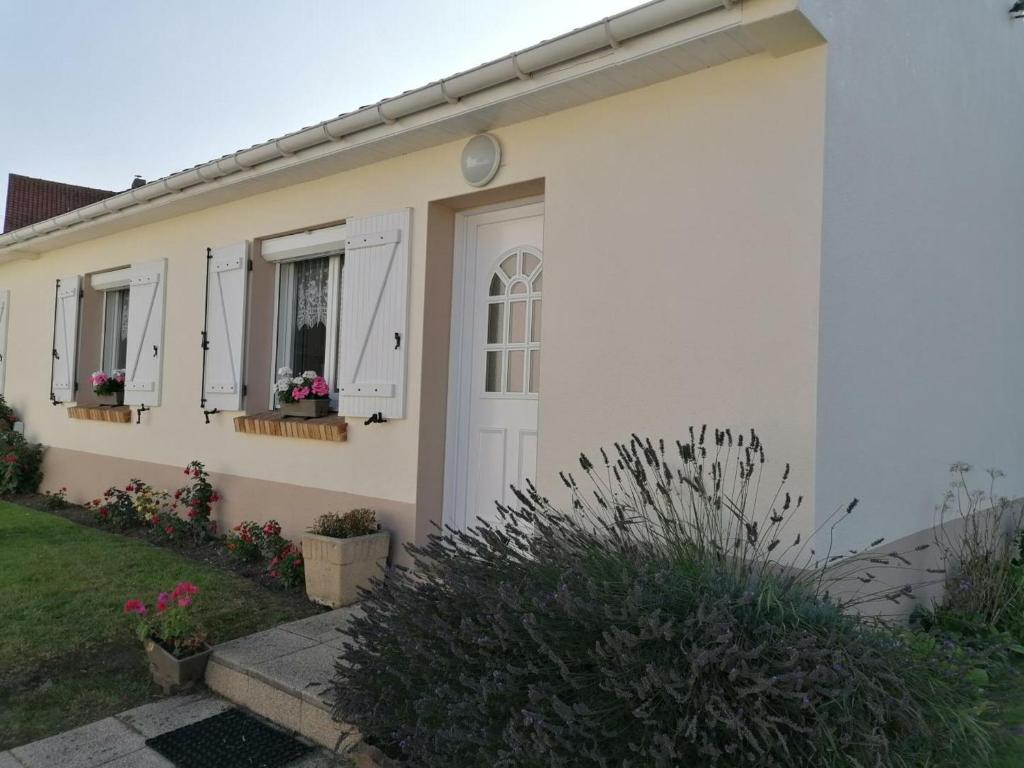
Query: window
x: 115, y: 330
x: 512, y: 364
x: 308, y: 316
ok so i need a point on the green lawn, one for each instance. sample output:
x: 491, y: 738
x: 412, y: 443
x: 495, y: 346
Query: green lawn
x: 68, y: 655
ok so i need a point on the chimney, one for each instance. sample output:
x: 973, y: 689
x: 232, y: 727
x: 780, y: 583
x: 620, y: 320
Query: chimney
x: 138, y: 181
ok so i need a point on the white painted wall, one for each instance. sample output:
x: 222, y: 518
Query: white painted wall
x: 921, y: 353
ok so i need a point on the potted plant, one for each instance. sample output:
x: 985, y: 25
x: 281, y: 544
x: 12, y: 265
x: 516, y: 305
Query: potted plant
x: 307, y: 395
x: 174, y: 640
x: 109, y: 389
x: 342, y: 553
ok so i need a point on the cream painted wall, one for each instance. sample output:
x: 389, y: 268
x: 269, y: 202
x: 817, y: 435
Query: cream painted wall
x: 683, y: 241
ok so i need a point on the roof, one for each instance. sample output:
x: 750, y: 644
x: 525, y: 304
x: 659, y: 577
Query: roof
x: 30, y: 200
x: 656, y: 41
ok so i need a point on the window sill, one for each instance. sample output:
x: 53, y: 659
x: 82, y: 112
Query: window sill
x: 116, y: 414
x: 332, y: 427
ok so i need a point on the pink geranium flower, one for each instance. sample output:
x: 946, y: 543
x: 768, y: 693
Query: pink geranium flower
x: 163, y: 600
x: 119, y: 377
x: 135, y: 606
x: 300, y: 393
x: 319, y: 387
x: 98, y: 378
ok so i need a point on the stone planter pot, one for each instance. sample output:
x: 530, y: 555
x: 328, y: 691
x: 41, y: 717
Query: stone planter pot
x: 171, y: 673
x: 307, y: 409
x: 115, y: 399
x: 335, y: 568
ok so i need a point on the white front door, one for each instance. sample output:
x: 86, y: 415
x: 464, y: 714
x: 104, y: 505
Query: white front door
x: 495, y: 373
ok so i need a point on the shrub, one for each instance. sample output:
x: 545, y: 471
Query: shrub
x: 287, y: 567
x: 21, y: 464
x: 983, y: 559
x: 198, y: 498
x: 655, y: 624
x: 357, y: 522
x: 172, y: 620
x: 7, y: 413
x: 54, y: 500
x: 251, y: 542
x: 116, y: 508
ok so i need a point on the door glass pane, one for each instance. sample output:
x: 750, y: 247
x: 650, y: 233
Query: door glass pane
x: 530, y: 263
x: 492, y: 376
x: 535, y: 321
x: 534, y: 371
x: 497, y: 286
x: 495, y: 323
x: 517, y: 322
x: 519, y: 287
x: 508, y: 266
x: 514, y: 380
x: 538, y: 282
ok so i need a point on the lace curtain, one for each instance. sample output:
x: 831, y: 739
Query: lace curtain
x: 311, y: 293
x: 124, y: 315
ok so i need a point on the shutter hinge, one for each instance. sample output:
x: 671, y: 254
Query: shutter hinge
x: 205, y: 344
x: 55, y: 355
x: 398, y: 340
x: 209, y: 253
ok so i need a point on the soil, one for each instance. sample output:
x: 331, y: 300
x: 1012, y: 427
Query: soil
x: 211, y: 553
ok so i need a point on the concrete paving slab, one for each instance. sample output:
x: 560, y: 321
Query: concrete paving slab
x: 246, y: 651
x: 323, y: 627
x: 7, y: 761
x: 162, y: 716
x: 144, y: 758
x: 306, y: 673
x: 86, y: 747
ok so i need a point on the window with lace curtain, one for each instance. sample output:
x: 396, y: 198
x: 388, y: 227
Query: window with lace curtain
x: 308, y: 316
x: 115, y: 330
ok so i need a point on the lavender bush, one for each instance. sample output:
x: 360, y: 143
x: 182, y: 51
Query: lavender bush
x: 660, y: 621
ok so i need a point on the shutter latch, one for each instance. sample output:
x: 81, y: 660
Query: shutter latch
x: 377, y: 418
x: 55, y: 355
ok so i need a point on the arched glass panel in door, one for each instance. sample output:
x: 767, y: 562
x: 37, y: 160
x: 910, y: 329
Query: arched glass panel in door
x: 514, y: 306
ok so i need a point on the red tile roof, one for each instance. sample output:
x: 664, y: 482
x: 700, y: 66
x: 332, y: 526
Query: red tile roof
x: 30, y: 200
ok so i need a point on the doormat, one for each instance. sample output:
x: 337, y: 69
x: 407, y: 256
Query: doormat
x: 231, y: 739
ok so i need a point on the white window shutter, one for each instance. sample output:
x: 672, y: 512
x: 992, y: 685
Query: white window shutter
x: 5, y: 308
x: 65, y: 339
x: 227, y: 288
x: 145, y: 333
x: 374, y: 316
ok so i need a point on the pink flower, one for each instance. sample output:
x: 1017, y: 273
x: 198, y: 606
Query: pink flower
x: 98, y: 378
x: 119, y: 377
x: 162, y: 601
x: 319, y: 387
x: 300, y: 393
x: 135, y: 606
x: 184, y: 588
x: 184, y: 601
x: 214, y: 497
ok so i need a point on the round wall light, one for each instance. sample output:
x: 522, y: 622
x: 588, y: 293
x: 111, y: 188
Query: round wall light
x: 480, y: 159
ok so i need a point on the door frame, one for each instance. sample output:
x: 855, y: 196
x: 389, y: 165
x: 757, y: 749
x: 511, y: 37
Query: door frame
x: 460, y: 354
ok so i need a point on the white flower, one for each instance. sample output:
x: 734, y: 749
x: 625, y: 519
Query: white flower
x: 298, y: 380
x: 284, y: 371
x: 283, y: 385
x: 309, y: 374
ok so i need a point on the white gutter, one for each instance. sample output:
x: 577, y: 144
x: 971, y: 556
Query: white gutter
x: 609, y: 32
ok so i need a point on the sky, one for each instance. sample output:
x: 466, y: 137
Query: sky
x: 96, y: 91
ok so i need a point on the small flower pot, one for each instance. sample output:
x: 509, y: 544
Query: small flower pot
x: 307, y: 409
x: 171, y: 673
x: 336, y: 568
x: 117, y: 398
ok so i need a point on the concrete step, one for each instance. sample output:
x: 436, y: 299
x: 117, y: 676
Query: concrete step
x: 282, y: 674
